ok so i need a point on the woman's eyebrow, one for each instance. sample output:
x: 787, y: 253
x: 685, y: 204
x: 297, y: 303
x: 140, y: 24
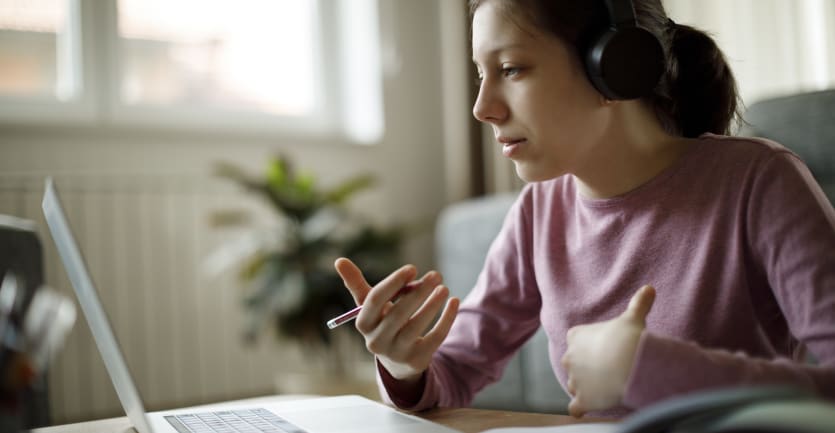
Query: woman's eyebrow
x: 500, y: 48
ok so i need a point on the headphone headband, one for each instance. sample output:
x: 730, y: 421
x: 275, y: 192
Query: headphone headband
x: 621, y: 13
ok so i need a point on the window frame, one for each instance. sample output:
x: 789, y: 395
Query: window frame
x: 81, y: 108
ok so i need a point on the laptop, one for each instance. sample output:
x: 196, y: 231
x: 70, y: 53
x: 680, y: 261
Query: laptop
x: 341, y: 414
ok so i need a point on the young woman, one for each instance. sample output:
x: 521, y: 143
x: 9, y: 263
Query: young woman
x: 660, y: 255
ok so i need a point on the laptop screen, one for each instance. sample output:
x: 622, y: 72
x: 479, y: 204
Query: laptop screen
x: 92, y: 308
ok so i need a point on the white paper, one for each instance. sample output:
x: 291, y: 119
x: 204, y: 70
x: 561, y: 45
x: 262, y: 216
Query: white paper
x: 570, y: 428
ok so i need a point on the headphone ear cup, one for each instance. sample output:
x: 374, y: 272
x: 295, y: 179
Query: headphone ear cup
x: 625, y: 63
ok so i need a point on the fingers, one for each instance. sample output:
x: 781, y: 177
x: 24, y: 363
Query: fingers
x: 575, y: 407
x: 433, y: 339
x: 419, y: 322
x: 409, y: 306
x: 597, y: 356
x: 378, y: 298
x: 353, y: 279
x: 381, y: 321
x: 410, y: 348
x: 640, y: 304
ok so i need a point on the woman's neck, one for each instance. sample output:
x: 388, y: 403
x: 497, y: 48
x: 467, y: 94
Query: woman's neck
x: 634, y: 149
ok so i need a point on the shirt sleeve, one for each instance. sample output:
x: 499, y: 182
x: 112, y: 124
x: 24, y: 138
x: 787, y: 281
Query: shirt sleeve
x: 498, y: 316
x: 791, y: 238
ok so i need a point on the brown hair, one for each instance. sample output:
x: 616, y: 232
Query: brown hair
x: 697, y: 92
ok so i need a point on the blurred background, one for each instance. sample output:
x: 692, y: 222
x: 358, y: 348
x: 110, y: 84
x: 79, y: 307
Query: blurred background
x: 132, y: 105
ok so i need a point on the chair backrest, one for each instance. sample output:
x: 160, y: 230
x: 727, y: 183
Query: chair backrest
x: 465, y: 232
x: 804, y: 123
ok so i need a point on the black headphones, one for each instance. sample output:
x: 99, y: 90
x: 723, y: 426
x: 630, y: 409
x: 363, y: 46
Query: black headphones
x: 624, y: 61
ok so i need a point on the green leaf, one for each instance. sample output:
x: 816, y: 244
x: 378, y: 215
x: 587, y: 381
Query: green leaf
x: 277, y: 173
x: 305, y: 183
x: 342, y: 192
x: 252, y: 267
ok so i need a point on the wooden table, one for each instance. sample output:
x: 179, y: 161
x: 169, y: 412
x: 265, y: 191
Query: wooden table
x: 467, y: 420
x: 470, y: 420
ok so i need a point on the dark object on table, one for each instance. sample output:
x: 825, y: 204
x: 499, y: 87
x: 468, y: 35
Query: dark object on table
x: 33, y: 322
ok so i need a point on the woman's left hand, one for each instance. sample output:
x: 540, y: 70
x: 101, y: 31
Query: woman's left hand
x: 600, y: 356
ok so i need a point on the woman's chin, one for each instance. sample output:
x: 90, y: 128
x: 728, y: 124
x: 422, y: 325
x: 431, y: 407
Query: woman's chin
x: 526, y: 173
x: 530, y: 174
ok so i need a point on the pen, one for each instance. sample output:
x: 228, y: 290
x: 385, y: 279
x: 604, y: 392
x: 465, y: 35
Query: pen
x: 352, y: 314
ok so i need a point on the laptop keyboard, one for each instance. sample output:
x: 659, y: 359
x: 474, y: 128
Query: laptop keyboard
x: 232, y: 421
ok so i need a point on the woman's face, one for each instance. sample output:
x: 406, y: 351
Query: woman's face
x: 544, y: 112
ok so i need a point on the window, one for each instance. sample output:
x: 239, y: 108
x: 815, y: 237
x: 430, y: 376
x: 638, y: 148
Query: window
x: 40, y: 64
x: 248, y: 54
x: 31, y: 33
x: 264, y: 64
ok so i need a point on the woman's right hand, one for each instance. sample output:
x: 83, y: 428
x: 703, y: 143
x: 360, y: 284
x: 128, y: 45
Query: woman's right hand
x: 397, y: 332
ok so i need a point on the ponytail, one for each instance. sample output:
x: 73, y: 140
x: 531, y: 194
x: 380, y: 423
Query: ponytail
x: 698, y: 92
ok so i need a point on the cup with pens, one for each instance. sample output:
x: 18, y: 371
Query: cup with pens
x: 33, y: 327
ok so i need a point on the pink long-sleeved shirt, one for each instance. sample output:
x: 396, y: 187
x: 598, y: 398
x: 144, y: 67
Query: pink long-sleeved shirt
x: 736, y: 237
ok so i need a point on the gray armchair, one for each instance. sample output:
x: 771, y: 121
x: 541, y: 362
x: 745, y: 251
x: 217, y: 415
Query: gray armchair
x: 464, y: 233
x: 804, y: 123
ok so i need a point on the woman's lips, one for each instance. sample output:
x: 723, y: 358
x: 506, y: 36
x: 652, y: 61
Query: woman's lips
x: 511, y: 146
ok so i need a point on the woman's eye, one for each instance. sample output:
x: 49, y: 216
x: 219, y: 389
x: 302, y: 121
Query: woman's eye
x: 511, y: 71
x: 506, y: 71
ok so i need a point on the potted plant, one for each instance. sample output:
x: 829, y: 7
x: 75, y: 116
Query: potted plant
x: 290, y: 284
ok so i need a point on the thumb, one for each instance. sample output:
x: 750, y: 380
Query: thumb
x: 640, y: 304
x: 575, y: 408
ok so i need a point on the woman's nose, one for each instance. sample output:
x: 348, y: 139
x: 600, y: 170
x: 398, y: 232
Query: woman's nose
x: 489, y: 106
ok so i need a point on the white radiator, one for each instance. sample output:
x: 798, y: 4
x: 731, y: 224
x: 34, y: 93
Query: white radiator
x: 144, y: 239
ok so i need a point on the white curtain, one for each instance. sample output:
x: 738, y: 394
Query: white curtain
x: 775, y: 47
